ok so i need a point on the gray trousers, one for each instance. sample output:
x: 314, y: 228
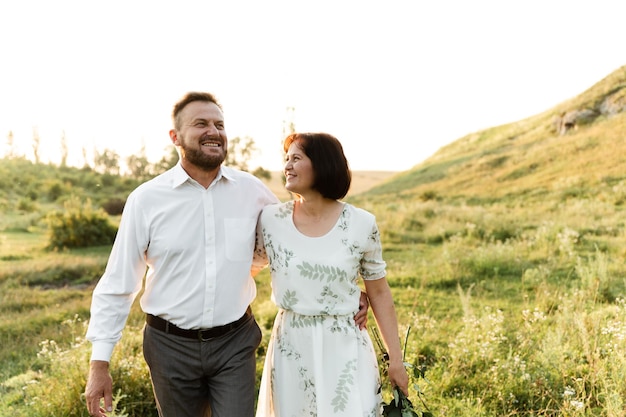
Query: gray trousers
x: 193, y: 378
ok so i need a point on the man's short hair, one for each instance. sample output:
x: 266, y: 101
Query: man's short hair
x: 190, y: 98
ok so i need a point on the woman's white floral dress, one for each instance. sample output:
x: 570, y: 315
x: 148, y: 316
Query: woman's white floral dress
x: 318, y: 362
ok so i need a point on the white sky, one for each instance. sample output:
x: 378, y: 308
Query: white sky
x: 393, y: 80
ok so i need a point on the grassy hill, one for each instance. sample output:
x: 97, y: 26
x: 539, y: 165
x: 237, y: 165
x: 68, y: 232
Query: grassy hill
x: 507, y: 246
x: 361, y: 182
x: 531, y: 158
x: 505, y: 255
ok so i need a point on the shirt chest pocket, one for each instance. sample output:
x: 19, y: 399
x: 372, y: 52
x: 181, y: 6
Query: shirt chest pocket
x: 240, y: 233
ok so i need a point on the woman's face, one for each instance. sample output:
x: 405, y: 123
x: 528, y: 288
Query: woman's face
x: 299, y: 174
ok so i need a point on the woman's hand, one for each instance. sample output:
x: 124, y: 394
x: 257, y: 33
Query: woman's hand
x: 398, y: 376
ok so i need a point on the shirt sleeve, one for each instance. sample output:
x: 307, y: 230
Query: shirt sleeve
x: 372, y: 264
x: 119, y: 285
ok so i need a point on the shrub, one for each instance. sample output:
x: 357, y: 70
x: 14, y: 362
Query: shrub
x: 26, y: 205
x: 114, y: 206
x: 428, y: 195
x: 79, y: 225
x: 55, y: 190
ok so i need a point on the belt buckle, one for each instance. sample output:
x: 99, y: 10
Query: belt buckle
x: 222, y: 330
x: 202, y: 338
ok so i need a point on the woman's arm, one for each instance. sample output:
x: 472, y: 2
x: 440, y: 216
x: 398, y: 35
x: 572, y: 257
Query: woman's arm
x: 381, y: 301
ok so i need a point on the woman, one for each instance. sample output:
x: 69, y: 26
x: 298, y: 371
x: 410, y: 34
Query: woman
x: 319, y: 363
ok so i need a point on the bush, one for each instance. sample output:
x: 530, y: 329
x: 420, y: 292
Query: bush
x: 79, y: 225
x: 26, y: 205
x: 114, y: 206
x: 55, y: 190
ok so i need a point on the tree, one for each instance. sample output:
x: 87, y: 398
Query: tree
x: 106, y: 162
x: 240, y: 151
x: 289, y: 126
x: 262, y: 173
x: 85, y: 160
x: 64, y: 149
x: 139, y: 166
x: 168, y: 161
x: 11, y: 152
x: 36, y: 144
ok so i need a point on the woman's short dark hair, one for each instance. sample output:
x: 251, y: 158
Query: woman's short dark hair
x: 330, y: 166
x: 190, y: 98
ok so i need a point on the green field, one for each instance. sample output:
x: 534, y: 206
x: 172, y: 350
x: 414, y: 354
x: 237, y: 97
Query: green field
x: 505, y: 254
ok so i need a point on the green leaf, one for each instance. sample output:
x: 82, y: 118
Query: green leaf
x: 394, y: 413
x: 390, y: 410
x: 396, y: 396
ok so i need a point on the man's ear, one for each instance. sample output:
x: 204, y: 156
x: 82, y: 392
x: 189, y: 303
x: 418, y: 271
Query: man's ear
x: 174, y: 137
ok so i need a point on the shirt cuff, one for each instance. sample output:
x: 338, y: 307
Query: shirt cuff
x: 102, y: 351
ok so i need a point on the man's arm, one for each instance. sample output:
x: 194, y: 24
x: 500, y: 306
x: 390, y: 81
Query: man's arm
x: 111, y: 302
x: 99, y: 385
x: 259, y: 257
x: 360, y: 318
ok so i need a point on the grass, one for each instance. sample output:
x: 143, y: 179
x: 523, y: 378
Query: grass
x: 44, y: 303
x: 505, y: 257
x: 512, y: 313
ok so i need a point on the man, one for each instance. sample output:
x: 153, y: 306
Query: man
x: 193, y: 227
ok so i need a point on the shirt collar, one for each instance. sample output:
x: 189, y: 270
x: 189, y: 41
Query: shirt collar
x: 227, y: 173
x: 180, y: 176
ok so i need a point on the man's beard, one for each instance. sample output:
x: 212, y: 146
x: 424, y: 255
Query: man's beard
x: 201, y: 159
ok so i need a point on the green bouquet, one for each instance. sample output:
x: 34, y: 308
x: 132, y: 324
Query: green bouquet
x: 400, y: 405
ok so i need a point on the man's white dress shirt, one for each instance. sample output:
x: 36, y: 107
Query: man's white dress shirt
x: 196, y: 245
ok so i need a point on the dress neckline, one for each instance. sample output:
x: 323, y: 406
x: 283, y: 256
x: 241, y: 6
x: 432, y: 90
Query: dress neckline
x: 328, y: 232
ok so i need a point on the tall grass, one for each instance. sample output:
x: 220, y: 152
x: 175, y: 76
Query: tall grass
x: 517, y: 308
x: 505, y: 257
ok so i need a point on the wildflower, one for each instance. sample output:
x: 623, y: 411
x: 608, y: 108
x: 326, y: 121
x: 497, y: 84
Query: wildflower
x: 569, y: 392
x: 578, y: 405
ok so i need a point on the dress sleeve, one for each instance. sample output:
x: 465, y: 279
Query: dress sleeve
x: 372, y: 263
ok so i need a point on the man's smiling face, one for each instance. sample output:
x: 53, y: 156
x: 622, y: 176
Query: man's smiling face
x: 202, y: 136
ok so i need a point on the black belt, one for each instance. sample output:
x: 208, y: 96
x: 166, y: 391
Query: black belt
x: 198, y: 334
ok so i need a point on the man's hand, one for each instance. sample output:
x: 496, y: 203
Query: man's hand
x: 99, y: 385
x: 360, y: 317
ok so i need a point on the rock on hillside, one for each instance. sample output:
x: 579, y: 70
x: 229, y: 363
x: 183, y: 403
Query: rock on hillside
x: 575, y: 147
x: 610, y: 104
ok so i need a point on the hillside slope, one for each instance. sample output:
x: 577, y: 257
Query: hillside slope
x: 570, y: 148
x: 361, y: 182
